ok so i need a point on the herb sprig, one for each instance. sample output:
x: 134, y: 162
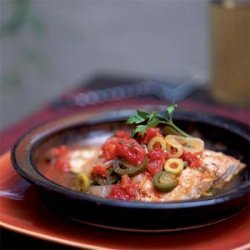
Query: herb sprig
x: 144, y: 120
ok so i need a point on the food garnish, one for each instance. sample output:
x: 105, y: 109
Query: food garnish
x: 144, y: 120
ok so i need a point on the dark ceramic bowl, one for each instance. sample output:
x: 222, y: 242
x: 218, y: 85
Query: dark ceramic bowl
x: 219, y: 134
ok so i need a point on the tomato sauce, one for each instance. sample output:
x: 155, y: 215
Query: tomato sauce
x: 157, y: 157
x: 192, y: 159
x: 125, y: 190
x: 124, y: 147
x: 99, y: 171
x: 60, y: 157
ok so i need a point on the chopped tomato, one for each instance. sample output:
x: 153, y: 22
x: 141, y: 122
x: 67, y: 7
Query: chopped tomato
x: 130, y: 150
x: 154, y: 167
x: 126, y: 190
x: 126, y: 148
x: 62, y: 164
x: 118, y: 193
x: 192, y: 160
x: 99, y: 171
x: 150, y: 133
x: 158, y: 154
x: 157, y: 157
x: 59, y: 151
x: 122, y: 134
x: 61, y: 155
x: 125, y: 181
x: 109, y: 148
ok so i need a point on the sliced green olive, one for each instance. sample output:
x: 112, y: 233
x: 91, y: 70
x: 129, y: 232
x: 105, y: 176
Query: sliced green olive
x: 82, y: 182
x: 111, y: 178
x: 165, y: 181
x: 157, y: 139
x: 174, y: 148
x: 174, y: 165
x: 122, y: 167
x: 190, y: 144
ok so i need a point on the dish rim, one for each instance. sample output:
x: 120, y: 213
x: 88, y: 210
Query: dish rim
x: 71, y: 121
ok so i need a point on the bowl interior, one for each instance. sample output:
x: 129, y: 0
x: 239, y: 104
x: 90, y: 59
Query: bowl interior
x: 219, y: 135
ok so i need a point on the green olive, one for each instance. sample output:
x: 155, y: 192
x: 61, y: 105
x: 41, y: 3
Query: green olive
x: 111, y: 178
x: 82, y: 182
x: 165, y: 181
x: 174, y: 165
x: 122, y: 167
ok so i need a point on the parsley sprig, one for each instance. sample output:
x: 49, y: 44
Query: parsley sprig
x: 144, y: 120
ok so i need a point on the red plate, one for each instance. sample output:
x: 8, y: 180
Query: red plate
x: 23, y: 212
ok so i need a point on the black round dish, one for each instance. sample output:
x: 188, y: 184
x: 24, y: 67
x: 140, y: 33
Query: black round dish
x: 220, y: 133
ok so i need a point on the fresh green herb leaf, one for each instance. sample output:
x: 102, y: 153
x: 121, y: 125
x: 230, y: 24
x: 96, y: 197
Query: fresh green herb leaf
x: 153, y: 121
x: 135, y: 119
x: 170, y: 109
x: 144, y: 120
x: 140, y: 117
x: 143, y: 114
x: 139, y: 129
